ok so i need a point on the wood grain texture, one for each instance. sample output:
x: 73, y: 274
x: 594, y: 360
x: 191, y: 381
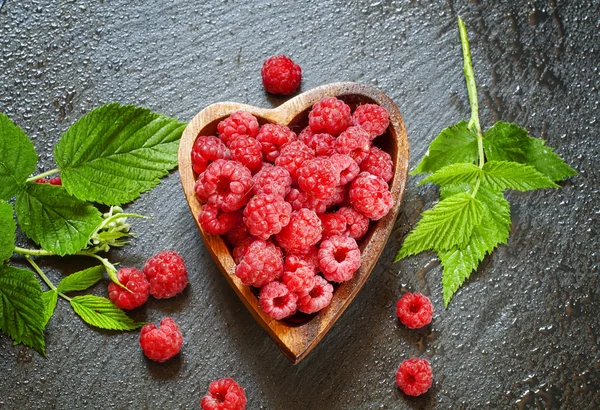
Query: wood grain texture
x: 297, y: 340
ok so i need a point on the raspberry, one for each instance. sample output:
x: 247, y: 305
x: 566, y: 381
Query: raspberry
x: 240, y: 250
x: 281, y: 75
x: 216, y: 222
x: 51, y: 181
x: 225, y: 184
x: 378, y: 163
x: 261, y: 263
x: 356, y: 223
x: 303, y: 231
x: 354, y: 142
x: 346, y: 167
x: 237, y: 124
x: 414, y: 310
x: 300, y: 199
x: 207, y: 149
x: 370, y: 195
x: 309, y: 259
x: 136, y: 282
x: 161, y: 344
x: 414, y: 376
x: 373, y: 118
x: 277, y: 301
x: 322, y: 144
x: 247, y: 151
x: 237, y: 234
x: 265, y: 215
x: 293, y: 156
x: 329, y: 115
x: 318, y: 177
x: 272, y: 180
x: 301, y: 281
x: 166, y: 273
x: 272, y: 138
x: 318, y: 298
x: 224, y: 394
x: 339, y: 258
x: 338, y: 197
x: 333, y: 224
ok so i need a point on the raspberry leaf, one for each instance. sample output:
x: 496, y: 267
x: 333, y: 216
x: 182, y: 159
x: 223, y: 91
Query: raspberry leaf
x: 22, y: 307
x: 55, y: 220
x: 81, y: 280
x: 7, y: 230
x: 500, y: 175
x: 116, y: 152
x: 49, y: 298
x: 101, y: 312
x: 454, y: 174
x: 17, y: 158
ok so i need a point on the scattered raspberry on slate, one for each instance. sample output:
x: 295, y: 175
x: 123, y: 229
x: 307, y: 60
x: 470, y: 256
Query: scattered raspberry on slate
x: 414, y: 310
x: 161, y: 343
x: 166, y: 273
x: 309, y: 259
x: 237, y: 124
x: 378, y: 163
x: 136, y: 282
x: 247, y: 151
x: 216, y: 222
x: 303, y: 231
x: 300, y: 199
x: 293, y: 156
x: 356, y: 223
x: 224, y: 394
x: 318, y: 298
x: 272, y: 138
x: 329, y: 115
x: 339, y: 258
x: 354, y: 142
x: 266, y: 215
x: 318, y: 177
x: 322, y: 144
x: 277, y: 301
x: 333, y: 224
x: 373, y: 118
x: 346, y: 166
x: 281, y: 75
x: 370, y: 195
x: 207, y: 148
x: 300, y: 281
x: 272, y: 180
x: 414, y: 376
x: 261, y: 263
x: 237, y: 234
x: 226, y: 184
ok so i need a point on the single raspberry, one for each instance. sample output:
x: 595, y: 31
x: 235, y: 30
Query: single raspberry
x: 310, y: 259
x: 339, y: 258
x: 354, y: 142
x: 51, y: 181
x: 333, y: 224
x: 265, y: 215
x: 226, y: 184
x: 293, y: 156
x: 206, y: 149
x: 247, y: 151
x: 303, y: 231
x: 261, y: 263
x: 329, y: 115
x: 378, y: 163
x: 216, y: 222
x: 318, y: 298
x: 318, y: 177
x: 338, y: 197
x: 281, y: 75
x: 237, y: 234
x: 272, y: 138
x: 370, y: 195
x: 414, y: 310
x: 237, y: 124
x: 322, y: 144
x: 300, y: 281
x: 346, y: 167
x: 300, y: 199
x: 161, y: 344
x: 277, y: 301
x: 166, y: 273
x: 373, y: 118
x: 272, y: 180
x: 224, y: 394
x: 136, y: 282
x: 240, y: 249
x: 356, y: 223
x: 414, y: 376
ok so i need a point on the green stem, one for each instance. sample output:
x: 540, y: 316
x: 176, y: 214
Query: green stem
x: 43, y: 174
x: 45, y: 278
x: 33, y: 252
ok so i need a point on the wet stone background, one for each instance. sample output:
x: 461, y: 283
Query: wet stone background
x: 522, y: 333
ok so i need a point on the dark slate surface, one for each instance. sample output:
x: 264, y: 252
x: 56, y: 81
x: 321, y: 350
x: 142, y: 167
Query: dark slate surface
x: 522, y: 333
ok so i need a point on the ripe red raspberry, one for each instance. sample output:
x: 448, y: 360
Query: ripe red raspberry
x: 237, y: 124
x: 333, y: 224
x: 51, y: 181
x: 370, y: 195
x: 272, y: 138
x: 261, y: 263
x: 303, y: 231
x: 354, y: 142
x: 378, y: 163
x: 281, y: 75
x: 226, y: 184
x: 166, y: 273
x: 373, y: 118
x: 136, y: 282
x: 339, y: 258
x: 161, y: 344
x: 240, y: 249
x: 206, y: 149
x: 318, y: 298
x: 318, y: 177
x: 277, y: 301
x: 414, y: 376
x: 237, y: 234
x: 293, y: 156
x: 414, y: 310
x: 322, y: 144
x: 356, y: 223
x: 300, y: 199
x: 216, y: 222
x: 272, y: 180
x: 338, y: 197
x: 346, y: 167
x: 309, y: 259
x: 247, y: 151
x: 300, y: 281
x: 265, y: 215
x: 329, y: 115
x: 224, y: 394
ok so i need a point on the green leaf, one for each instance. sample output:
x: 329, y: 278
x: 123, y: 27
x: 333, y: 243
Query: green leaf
x: 101, y: 312
x: 7, y: 231
x: 50, y: 298
x: 17, y: 157
x: 547, y: 162
x: 450, y: 223
x: 54, y: 219
x: 454, y: 144
x: 22, y: 307
x: 116, y: 152
x: 81, y: 280
x: 500, y: 175
x: 454, y: 174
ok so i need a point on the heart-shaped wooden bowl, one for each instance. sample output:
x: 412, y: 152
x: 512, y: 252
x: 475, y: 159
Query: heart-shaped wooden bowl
x: 296, y: 338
